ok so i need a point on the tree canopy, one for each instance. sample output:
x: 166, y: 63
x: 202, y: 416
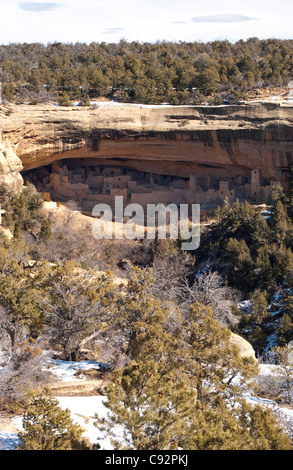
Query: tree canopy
x: 174, y: 72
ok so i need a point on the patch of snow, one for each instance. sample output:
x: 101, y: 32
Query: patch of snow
x: 271, y: 342
x: 245, y: 305
x: 8, y: 440
x: 251, y: 399
x: 66, y: 370
x: 268, y: 370
x: 83, y: 411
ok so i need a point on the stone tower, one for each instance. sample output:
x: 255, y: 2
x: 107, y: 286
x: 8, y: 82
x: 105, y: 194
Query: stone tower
x: 255, y: 186
x: 193, y: 184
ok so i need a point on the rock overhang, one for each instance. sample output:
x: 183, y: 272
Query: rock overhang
x: 174, y: 140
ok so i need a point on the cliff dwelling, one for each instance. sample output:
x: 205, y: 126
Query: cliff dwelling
x: 88, y: 184
x: 149, y: 155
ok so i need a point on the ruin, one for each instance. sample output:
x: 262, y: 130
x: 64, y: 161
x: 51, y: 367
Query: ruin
x: 88, y: 185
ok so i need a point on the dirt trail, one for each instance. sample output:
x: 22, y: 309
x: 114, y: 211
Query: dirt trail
x: 6, y: 424
x: 78, y: 388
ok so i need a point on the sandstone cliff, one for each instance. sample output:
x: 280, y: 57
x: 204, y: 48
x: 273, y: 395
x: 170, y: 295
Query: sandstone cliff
x: 10, y: 167
x: 223, y: 141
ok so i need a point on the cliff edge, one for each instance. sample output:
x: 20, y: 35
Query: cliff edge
x: 172, y: 140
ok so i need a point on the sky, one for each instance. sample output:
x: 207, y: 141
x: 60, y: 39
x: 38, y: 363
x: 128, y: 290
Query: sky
x: 85, y: 21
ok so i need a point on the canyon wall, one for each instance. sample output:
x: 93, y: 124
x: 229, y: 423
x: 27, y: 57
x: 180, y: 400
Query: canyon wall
x: 222, y: 141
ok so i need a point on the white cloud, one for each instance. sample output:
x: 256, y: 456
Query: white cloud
x: 223, y: 18
x: 39, y: 7
x: 113, y: 30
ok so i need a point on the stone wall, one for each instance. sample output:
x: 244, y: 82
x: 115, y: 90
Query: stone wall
x: 91, y: 185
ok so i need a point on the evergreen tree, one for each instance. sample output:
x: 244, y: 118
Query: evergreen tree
x: 46, y: 230
x: 46, y: 426
x: 280, y: 221
x: 209, y: 360
x: 75, y: 303
x: 151, y: 408
x: 20, y: 293
x: 259, y: 306
x: 64, y: 99
x: 195, y: 403
x: 284, y: 330
x: 238, y: 264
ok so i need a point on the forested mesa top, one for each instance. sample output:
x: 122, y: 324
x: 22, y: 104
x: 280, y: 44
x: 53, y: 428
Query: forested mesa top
x: 177, y: 73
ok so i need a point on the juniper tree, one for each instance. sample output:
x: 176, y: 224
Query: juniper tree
x: 238, y: 264
x: 64, y: 99
x: 284, y: 329
x: 259, y: 307
x: 20, y: 292
x: 77, y: 306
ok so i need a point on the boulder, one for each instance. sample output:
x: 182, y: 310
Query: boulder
x: 245, y: 348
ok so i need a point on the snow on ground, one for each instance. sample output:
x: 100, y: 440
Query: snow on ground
x: 84, y: 409
x: 66, y: 370
x: 8, y: 440
x: 83, y: 412
x: 101, y: 104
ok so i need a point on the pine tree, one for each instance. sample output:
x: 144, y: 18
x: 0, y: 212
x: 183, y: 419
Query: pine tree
x: 64, y: 99
x: 259, y: 306
x: 280, y: 221
x: 144, y: 320
x: 284, y: 330
x: 20, y: 294
x: 209, y: 360
x: 151, y: 407
x: 238, y: 264
x: 49, y: 427
x: 46, y: 230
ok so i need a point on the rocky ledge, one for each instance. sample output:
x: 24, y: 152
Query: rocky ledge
x: 222, y: 141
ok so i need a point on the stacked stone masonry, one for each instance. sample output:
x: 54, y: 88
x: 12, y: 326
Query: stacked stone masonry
x: 89, y: 185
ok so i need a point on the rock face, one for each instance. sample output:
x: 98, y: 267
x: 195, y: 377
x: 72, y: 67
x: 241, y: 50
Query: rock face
x: 10, y: 167
x: 223, y: 141
x: 5, y: 347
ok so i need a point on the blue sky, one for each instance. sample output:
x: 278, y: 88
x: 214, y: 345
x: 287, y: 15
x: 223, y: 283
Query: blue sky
x: 144, y: 20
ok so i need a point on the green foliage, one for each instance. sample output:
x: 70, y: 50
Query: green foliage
x: 46, y: 230
x: 24, y: 210
x: 20, y: 289
x: 64, y: 99
x: 259, y: 306
x: 285, y: 329
x: 178, y: 73
x: 191, y: 401
x: 158, y: 412
x: 209, y: 359
x: 49, y: 427
x: 252, y: 253
x: 150, y: 406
